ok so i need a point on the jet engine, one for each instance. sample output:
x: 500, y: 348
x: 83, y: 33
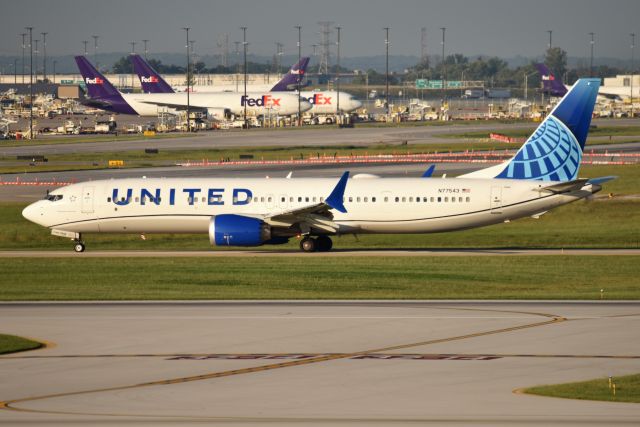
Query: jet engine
x: 238, y: 230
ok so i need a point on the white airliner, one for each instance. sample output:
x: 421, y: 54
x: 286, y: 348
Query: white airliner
x: 252, y: 212
x: 217, y: 105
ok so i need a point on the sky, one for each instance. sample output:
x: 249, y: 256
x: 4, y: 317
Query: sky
x: 504, y: 28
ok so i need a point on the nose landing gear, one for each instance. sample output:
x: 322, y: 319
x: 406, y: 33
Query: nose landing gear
x: 79, y: 244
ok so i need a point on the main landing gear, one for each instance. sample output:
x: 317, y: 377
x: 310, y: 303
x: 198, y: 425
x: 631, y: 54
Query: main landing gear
x: 319, y: 244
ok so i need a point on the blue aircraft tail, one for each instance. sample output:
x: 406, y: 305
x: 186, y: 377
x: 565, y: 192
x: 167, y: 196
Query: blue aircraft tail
x: 554, y: 151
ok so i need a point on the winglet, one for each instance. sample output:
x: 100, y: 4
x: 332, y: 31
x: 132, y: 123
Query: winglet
x: 429, y: 171
x: 335, y: 199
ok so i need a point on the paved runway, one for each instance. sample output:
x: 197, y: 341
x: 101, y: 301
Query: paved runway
x: 332, y: 254
x: 315, y: 363
x: 310, y: 137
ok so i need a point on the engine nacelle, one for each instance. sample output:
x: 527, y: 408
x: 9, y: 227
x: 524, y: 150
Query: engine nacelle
x: 238, y: 230
x: 219, y: 113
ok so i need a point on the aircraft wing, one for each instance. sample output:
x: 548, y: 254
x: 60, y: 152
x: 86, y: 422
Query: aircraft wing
x: 317, y: 215
x: 172, y: 105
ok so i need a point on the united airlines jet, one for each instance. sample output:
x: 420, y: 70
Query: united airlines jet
x: 217, y: 105
x: 252, y: 212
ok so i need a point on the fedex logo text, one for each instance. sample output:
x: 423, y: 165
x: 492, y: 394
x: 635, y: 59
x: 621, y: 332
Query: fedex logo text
x: 319, y: 99
x: 264, y: 101
x: 549, y: 77
x: 150, y: 79
x: 94, y: 81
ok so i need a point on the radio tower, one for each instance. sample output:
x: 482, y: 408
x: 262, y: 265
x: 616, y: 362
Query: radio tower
x: 424, y: 57
x: 325, y: 43
x: 223, y: 47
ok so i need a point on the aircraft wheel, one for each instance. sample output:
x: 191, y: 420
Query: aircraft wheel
x: 308, y: 244
x: 79, y: 247
x: 324, y: 243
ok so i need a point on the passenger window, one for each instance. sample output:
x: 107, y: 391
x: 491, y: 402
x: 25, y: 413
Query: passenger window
x: 306, y: 199
x: 291, y: 199
x: 453, y: 200
x: 358, y: 199
x: 404, y: 199
x: 108, y: 199
x: 468, y: 199
x: 411, y: 199
x: 397, y: 199
x: 446, y: 199
x: 283, y: 199
x: 424, y: 199
x: 373, y: 200
x: 299, y: 199
x: 432, y: 200
x: 137, y: 199
x: 460, y: 199
x: 386, y: 199
x: 269, y: 199
x: 366, y: 199
x: 262, y: 199
x: 322, y: 199
x: 350, y: 199
x: 314, y: 199
x: 439, y: 199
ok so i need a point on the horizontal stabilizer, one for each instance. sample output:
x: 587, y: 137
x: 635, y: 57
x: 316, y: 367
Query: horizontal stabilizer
x: 566, y: 187
x: 601, y: 180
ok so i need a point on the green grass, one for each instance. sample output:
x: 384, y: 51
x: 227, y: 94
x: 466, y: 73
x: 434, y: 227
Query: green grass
x: 627, y: 390
x: 601, y: 131
x: 317, y: 277
x: 13, y: 344
x: 79, y: 139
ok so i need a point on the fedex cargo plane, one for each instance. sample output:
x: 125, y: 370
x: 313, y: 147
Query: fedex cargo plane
x: 217, y: 105
x: 553, y: 85
x: 237, y: 211
x: 322, y: 102
x: 152, y: 82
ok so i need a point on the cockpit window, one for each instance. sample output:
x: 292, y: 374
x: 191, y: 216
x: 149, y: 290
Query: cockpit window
x: 53, y: 197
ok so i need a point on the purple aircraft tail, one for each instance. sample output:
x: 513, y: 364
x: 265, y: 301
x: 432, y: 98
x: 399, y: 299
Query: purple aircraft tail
x: 550, y: 84
x: 150, y: 80
x: 295, y: 75
x: 101, y: 92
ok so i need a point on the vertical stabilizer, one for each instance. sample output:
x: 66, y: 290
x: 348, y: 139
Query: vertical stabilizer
x: 150, y: 80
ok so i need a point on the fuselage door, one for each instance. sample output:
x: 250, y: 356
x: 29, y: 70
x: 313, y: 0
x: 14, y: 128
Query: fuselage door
x: 87, y: 199
x: 496, y: 200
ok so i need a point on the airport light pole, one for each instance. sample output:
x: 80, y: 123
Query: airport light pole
x: 95, y: 51
x: 188, y: 80
x: 30, y: 29
x: 15, y: 71
x: 550, y: 38
x: 85, y: 42
x: 244, y: 46
x: 386, y: 74
x: 145, y: 48
x: 299, y: 28
x: 44, y: 60
x: 133, y: 78
x: 54, y: 70
x: 35, y: 50
x: 444, y: 73
x: 338, y: 115
x: 23, y: 47
x: 633, y: 45
x: 592, y: 42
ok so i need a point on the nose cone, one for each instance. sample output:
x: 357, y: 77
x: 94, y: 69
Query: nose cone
x: 34, y: 213
x: 305, y: 105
